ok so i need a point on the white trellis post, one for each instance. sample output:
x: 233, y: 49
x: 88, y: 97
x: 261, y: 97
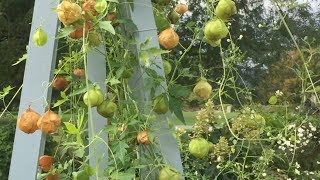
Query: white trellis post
x: 141, y: 13
x: 39, y: 72
x: 97, y: 73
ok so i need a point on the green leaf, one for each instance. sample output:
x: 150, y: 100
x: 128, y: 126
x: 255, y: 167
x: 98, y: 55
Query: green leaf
x: 106, y: 25
x: 144, y: 57
x: 90, y: 170
x: 59, y: 102
x: 145, y: 54
x: 5, y: 91
x: 63, y: 95
x: 179, y: 91
x: 24, y: 57
x: 79, y: 152
x: 130, y: 25
x: 79, y: 91
x: 161, y: 20
x: 63, y: 32
x: 72, y: 129
x: 122, y: 175
x: 146, y: 43
x: 80, y: 175
x: 273, y: 100
x: 121, y: 150
x: 175, y: 106
x: 190, y: 24
x: 156, y: 51
x: 113, y: 81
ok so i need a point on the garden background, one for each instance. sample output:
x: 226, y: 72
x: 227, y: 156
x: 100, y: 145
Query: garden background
x: 270, y: 61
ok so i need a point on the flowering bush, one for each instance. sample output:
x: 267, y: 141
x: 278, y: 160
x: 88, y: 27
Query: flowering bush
x: 280, y: 144
x: 255, y: 144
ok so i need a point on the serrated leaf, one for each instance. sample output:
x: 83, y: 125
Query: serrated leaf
x: 72, y: 129
x: 63, y: 32
x: 121, y: 150
x: 175, y: 106
x: 7, y: 89
x: 144, y: 57
x: 113, y: 81
x: 79, y: 152
x: 106, y: 25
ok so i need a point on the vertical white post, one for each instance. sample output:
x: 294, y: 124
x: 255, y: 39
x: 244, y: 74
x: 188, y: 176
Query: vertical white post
x: 142, y: 16
x: 38, y: 73
x: 98, y: 151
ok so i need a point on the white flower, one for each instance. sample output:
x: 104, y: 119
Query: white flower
x: 279, y: 93
x: 268, y: 134
x: 287, y: 143
x: 260, y: 26
x: 228, y: 40
x: 264, y: 174
x: 210, y: 128
x: 219, y: 159
x: 300, y: 130
x: 240, y: 37
x: 296, y: 171
x: 290, y: 126
x: 297, y: 165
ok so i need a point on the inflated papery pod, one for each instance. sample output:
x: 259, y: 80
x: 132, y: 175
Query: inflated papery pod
x: 49, y: 122
x: 143, y: 137
x: 27, y: 122
x: 45, y: 162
